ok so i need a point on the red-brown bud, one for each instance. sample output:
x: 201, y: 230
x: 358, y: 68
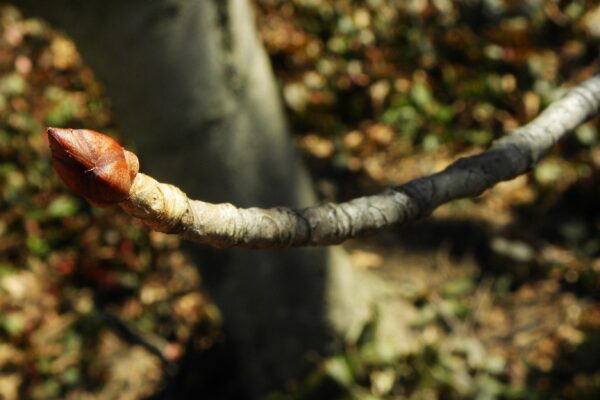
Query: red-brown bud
x: 92, y: 164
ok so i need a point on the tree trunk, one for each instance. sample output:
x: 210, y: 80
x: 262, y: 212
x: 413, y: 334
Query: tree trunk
x: 191, y: 85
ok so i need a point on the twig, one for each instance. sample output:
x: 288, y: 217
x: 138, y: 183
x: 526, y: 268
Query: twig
x: 167, y: 209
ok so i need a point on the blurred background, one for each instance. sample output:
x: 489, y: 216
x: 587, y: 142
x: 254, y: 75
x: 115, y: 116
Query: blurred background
x: 502, y: 290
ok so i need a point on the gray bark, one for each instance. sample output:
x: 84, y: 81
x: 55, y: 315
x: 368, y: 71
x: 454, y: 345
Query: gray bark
x: 165, y: 208
x: 192, y: 88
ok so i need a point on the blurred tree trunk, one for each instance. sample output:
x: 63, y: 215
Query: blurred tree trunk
x: 191, y: 85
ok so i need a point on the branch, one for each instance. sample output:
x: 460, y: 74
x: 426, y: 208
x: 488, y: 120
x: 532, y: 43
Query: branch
x: 167, y: 209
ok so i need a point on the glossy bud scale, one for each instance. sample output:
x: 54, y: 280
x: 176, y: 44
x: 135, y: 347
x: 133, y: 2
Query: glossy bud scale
x: 92, y: 164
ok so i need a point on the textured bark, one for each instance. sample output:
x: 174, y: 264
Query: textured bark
x: 509, y: 157
x: 167, y: 209
x: 192, y: 88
